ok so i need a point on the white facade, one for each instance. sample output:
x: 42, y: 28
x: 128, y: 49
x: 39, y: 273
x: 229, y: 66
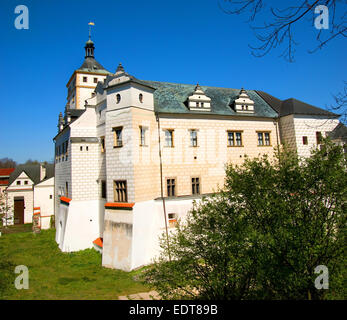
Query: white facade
x: 28, y: 191
x: 44, y: 199
x: 115, y: 140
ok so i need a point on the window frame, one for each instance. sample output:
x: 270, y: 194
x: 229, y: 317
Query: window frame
x: 305, y: 140
x: 117, y: 142
x: 102, y: 144
x: 263, y: 138
x: 234, y: 140
x: 319, y: 137
x: 196, y: 185
x: 172, y: 138
x: 172, y: 185
x: 143, y: 129
x: 121, y: 191
x: 192, y: 139
x: 172, y: 221
x: 103, y: 189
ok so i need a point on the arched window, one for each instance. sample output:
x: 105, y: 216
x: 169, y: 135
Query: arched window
x: 118, y: 97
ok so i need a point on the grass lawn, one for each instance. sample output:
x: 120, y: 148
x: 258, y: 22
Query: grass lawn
x: 57, y: 275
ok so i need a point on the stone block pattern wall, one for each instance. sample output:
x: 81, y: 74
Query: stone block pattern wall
x: 62, y: 172
x: 308, y: 127
x: 183, y: 162
x: 287, y: 131
x: 119, y: 161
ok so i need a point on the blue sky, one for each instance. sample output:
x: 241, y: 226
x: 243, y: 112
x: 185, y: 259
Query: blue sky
x: 186, y: 41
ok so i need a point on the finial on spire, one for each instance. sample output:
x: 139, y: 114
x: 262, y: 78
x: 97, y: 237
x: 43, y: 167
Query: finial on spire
x: 90, y: 24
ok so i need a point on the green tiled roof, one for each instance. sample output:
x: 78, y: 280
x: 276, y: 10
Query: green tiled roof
x: 170, y: 98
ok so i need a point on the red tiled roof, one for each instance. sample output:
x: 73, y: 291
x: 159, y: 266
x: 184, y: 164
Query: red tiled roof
x: 3, y: 182
x: 65, y: 199
x: 119, y: 205
x: 6, y: 171
x: 98, y: 242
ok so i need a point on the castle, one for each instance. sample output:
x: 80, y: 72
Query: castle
x: 132, y: 155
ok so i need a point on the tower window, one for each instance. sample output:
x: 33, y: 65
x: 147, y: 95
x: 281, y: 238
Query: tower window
x: 102, y: 141
x: 120, y: 191
x: 143, y: 136
x: 103, y: 189
x: 117, y: 136
x: 118, y: 98
x: 141, y: 97
x: 84, y: 79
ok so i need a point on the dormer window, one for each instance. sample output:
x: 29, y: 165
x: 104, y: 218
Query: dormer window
x: 199, y: 101
x: 243, y: 103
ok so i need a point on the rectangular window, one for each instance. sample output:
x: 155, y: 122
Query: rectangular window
x: 234, y: 138
x: 168, y: 138
x: 260, y: 139
x: 238, y: 139
x: 18, y: 183
x: 267, y: 138
x: 102, y: 142
x: 117, y: 136
x: 318, y: 137
x: 172, y: 217
x: 84, y: 79
x: 195, y: 185
x: 66, y: 189
x: 66, y: 149
x: 95, y: 80
x: 193, y: 138
x: 264, y: 139
x: 120, y: 191
x: 171, y: 187
x: 143, y: 136
x: 231, y: 139
x: 304, y: 140
x: 26, y: 182
x: 51, y: 196
x: 103, y: 189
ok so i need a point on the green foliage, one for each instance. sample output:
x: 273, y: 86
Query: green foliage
x: 263, y: 234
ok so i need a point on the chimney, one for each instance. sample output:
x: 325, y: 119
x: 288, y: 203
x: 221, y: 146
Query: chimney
x: 42, y: 172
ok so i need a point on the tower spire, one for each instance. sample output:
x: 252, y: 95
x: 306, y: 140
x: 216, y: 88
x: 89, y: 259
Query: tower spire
x: 89, y: 47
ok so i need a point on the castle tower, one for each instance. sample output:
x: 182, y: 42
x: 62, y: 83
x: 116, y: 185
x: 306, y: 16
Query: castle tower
x: 84, y: 80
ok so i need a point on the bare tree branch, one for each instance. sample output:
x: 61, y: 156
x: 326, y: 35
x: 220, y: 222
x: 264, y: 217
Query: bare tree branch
x: 279, y: 30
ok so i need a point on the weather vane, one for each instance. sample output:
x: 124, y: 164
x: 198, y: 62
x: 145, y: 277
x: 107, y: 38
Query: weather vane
x: 90, y: 24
